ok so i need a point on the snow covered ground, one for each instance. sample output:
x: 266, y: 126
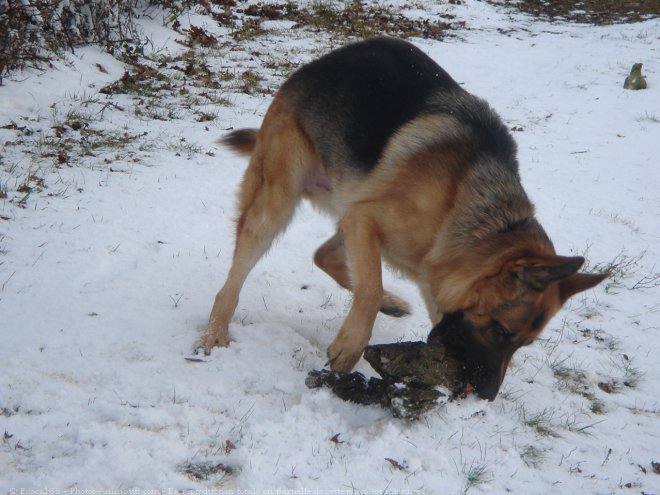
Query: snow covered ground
x: 110, y: 259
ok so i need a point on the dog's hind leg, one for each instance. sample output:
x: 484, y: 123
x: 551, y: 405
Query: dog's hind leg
x: 331, y: 258
x: 269, y: 194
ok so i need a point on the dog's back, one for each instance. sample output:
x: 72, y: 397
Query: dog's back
x: 352, y: 100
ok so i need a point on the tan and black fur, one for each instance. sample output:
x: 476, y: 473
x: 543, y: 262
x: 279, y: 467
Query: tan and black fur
x: 418, y: 173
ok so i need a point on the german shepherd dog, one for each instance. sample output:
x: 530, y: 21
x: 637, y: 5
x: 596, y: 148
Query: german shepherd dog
x: 419, y: 173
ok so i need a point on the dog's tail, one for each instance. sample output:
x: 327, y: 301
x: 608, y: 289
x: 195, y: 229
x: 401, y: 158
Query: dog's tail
x: 242, y: 141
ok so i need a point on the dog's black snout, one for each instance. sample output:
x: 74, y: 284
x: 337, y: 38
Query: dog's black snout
x: 488, y: 390
x: 486, y: 373
x: 488, y: 393
x: 483, y: 377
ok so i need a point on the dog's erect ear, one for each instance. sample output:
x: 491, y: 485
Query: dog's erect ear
x: 578, y: 283
x: 539, y: 273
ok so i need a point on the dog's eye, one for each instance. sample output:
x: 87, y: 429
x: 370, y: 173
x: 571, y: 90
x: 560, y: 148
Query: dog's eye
x: 501, y: 335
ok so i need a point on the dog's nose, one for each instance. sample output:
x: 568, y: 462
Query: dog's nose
x: 488, y: 391
x: 488, y: 380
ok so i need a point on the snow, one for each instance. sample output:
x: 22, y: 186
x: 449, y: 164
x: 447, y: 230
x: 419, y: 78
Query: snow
x: 107, y: 277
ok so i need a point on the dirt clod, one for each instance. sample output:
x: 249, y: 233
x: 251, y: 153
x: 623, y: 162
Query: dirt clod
x: 416, y: 377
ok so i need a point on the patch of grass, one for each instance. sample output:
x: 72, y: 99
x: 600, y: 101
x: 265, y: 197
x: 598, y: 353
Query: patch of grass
x: 83, y: 98
x: 3, y: 251
x: 39, y: 162
x: 341, y: 18
x: 570, y: 377
x: 476, y: 473
x: 197, y: 36
x: 168, y: 87
x: 249, y: 82
x: 649, y: 117
x: 587, y: 11
x: 622, y: 268
x: 249, y: 29
x: 574, y: 425
x: 183, y: 147
x: 629, y: 375
x: 358, y: 19
x: 599, y: 336
x: 214, y: 98
x: 299, y: 357
x: 76, y: 118
x: 140, y: 80
x: 201, y: 471
x: 574, y: 380
x: 155, y: 111
x: 282, y: 66
x: 627, y: 222
x: 533, y: 456
x: 66, y: 147
x: 227, y: 75
x: 206, y: 116
x: 32, y: 182
x: 164, y: 88
x: 597, y: 406
x: 109, y: 141
x: 541, y: 422
x: 196, y: 71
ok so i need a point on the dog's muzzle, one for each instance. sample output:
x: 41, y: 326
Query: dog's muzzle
x: 482, y: 367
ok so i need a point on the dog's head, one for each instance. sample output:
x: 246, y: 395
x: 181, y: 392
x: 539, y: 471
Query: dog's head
x: 508, y: 311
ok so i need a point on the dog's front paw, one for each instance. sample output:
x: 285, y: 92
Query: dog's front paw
x: 343, y: 358
x: 214, y: 338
